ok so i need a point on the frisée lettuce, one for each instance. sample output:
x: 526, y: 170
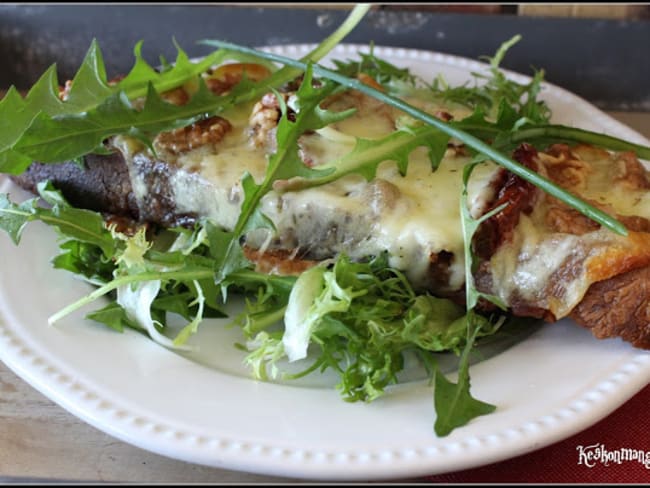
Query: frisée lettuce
x: 359, y: 318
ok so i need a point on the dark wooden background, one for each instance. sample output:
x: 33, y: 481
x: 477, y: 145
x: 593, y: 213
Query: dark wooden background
x: 604, y: 60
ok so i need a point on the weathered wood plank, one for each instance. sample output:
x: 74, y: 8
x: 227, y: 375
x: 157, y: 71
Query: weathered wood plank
x: 41, y: 441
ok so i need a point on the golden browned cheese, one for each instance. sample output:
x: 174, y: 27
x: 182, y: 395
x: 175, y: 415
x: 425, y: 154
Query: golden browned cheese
x: 555, y: 261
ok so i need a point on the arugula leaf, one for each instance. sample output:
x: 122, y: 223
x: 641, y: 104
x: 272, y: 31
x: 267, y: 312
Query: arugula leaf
x: 470, y: 140
x: 95, y: 110
x: 521, y: 97
x: 368, y: 154
x: 17, y: 113
x: 113, y: 316
x: 88, y: 85
x: 453, y: 402
x: 85, y: 260
x: 15, y: 116
x: 67, y: 137
x: 382, y: 71
x: 493, y: 91
x: 14, y: 218
x: 83, y: 225
x: 88, y: 90
x: 136, y: 83
x: 282, y: 164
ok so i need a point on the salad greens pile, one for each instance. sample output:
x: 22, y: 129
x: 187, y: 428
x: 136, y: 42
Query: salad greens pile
x: 356, y: 318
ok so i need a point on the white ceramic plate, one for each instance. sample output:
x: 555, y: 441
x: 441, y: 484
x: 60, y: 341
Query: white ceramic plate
x: 555, y: 383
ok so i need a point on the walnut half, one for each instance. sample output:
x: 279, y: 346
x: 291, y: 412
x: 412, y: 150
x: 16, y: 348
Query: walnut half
x: 208, y: 131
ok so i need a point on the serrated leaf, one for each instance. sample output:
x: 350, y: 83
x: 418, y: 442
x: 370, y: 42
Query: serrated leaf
x: 75, y: 126
x: 141, y: 73
x: 13, y: 162
x: 86, y: 260
x: 113, y: 316
x: 13, y: 218
x: 89, y: 83
x: 379, y: 69
x: 454, y: 404
x: 16, y: 114
x: 66, y: 137
x: 283, y: 163
x: 135, y: 83
x: 84, y: 225
x: 507, y: 116
x: 368, y: 154
x: 43, y: 96
x: 80, y: 224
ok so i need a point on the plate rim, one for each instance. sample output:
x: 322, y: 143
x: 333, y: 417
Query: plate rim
x: 94, y: 408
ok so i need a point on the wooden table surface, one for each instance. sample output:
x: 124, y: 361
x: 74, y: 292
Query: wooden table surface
x: 42, y: 442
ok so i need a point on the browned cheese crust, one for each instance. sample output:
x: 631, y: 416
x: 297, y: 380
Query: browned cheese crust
x: 617, y: 303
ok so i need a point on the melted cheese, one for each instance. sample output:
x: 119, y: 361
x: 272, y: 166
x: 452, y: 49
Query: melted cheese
x: 605, y: 186
x: 411, y: 217
x: 416, y: 216
x: 553, y: 270
x: 523, y: 269
x: 209, y: 182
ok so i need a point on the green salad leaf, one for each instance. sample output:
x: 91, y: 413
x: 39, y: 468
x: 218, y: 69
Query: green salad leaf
x: 368, y: 154
x: 83, y: 225
x: 380, y: 70
x: 284, y: 163
x: 473, y: 141
x: 358, y: 319
x: 492, y: 91
x: 44, y: 127
x: 361, y: 319
x: 89, y: 89
x: 454, y: 404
